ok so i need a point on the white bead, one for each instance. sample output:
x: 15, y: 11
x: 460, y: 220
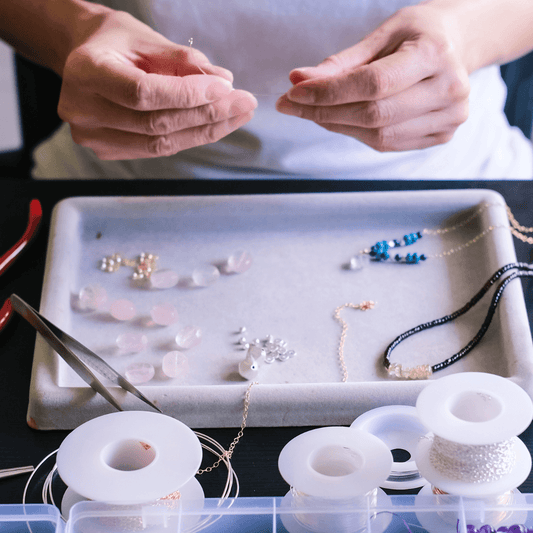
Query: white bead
x: 239, y: 262
x: 132, y: 342
x: 92, y: 297
x: 164, y: 279
x: 175, y: 365
x: 188, y: 337
x: 249, y: 369
x: 358, y: 262
x: 205, y: 276
x: 164, y: 314
x: 139, y: 373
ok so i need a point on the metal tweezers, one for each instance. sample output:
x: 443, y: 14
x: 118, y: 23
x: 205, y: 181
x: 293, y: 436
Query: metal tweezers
x: 77, y: 356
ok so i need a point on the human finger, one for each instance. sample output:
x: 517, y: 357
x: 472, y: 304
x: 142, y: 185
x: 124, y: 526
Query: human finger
x: 429, y: 95
x: 378, y: 80
x: 134, y: 88
x: 437, y: 127
x: 102, y: 113
x: 110, y: 144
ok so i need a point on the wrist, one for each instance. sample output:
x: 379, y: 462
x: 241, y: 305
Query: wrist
x: 73, y: 22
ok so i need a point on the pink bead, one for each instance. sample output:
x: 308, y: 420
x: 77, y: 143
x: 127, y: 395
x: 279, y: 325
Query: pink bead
x: 92, y: 297
x: 175, y: 365
x: 132, y: 342
x: 188, y: 337
x: 164, y: 279
x: 139, y: 373
x: 122, y: 309
x: 239, y: 262
x: 164, y: 314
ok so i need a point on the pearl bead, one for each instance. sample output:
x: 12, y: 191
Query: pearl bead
x: 188, y: 337
x: 122, y: 310
x: 164, y: 279
x: 139, y: 373
x: 205, y: 276
x: 92, y: 297
x: 239, y: 262
x: 132, y: 342
x: 164, y: 314
x: 175, y: 365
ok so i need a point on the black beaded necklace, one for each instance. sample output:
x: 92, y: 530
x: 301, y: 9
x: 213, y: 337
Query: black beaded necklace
x: 424, y: 371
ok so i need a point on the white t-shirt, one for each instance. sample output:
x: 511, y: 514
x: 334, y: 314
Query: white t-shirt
x: 260, y: 42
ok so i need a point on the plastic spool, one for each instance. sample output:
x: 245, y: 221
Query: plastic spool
x: 399, y: 427
x: 129, y: 457
x: 334, y: 470
x: 475, y: 408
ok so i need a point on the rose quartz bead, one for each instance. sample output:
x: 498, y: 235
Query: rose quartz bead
x: 92, y: 297
x: 164, y: 279
x: 139, y: 373
x: 205, y: 276
x: 164, y: 314
x: 239, y: 262
x: 175, y: 365
x: 188, y: 337
x: 122, y: 309
x: 132, y: 342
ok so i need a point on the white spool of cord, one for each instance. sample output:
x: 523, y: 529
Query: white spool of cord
x: 334, y: 473
x: 473, y: 449
x: 399, y: 427
x: 129, y: 457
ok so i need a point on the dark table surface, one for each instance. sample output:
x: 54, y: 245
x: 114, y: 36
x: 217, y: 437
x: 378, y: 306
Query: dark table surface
x: 255, y: 457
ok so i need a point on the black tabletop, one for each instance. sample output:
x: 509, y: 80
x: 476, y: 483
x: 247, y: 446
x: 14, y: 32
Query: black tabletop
x: 255, y: 457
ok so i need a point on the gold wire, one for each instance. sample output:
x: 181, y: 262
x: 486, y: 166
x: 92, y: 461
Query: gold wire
x: 363, y: 306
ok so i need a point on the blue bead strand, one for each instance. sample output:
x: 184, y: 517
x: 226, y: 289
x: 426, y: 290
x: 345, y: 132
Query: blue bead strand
x: 381, y: 250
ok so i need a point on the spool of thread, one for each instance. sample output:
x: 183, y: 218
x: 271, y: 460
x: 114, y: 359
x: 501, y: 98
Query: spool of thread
x: 399, y: 427
x: 334, y: 473
x: 129, y: 457
x: 473, y: 449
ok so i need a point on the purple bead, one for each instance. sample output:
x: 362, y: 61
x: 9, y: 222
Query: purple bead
x: 485, y: 529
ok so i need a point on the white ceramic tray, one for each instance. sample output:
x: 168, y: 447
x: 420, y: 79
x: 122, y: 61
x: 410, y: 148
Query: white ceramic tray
x: 299, y: 244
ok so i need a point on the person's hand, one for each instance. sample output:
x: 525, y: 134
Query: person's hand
x: 403, y: 87
x: 130, y: 93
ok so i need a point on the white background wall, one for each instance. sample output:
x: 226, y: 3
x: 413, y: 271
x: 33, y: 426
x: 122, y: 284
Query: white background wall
x: 10, y: 128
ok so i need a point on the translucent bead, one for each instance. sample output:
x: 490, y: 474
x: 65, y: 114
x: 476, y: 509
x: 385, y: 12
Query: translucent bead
x: 164, y: 314
x: 132, y: 342
x: 175, y: 365
x: 249, y: 368
x: 239, y: 262
x: 122, y: 309
x: 205, y: 276
x: 139, y: 373
x: 164, y: 279
x: 358, y: 262
x: 188, y: 337
x: 255, y: 353
x: 92, y: 297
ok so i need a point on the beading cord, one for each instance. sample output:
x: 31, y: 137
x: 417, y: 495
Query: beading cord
x: 363, y: 306
x: 472, y: 463
x: 424, y: 371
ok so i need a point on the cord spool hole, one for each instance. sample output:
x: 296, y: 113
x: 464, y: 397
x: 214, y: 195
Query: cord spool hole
x: 128, y: 455
x: 336, y: 461
x: 475, y: 406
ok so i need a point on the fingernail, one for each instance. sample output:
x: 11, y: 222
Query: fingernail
x: 243, y: 105
x: 285, y: 106
x: 218, y: 90
x: 304, y: 95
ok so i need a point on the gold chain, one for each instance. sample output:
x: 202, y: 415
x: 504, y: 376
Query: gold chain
x: 363, y: 306
x: 229, y: 452
x: 442, y: 231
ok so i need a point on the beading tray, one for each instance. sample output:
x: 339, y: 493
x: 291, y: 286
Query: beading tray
x: 300, y: 244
